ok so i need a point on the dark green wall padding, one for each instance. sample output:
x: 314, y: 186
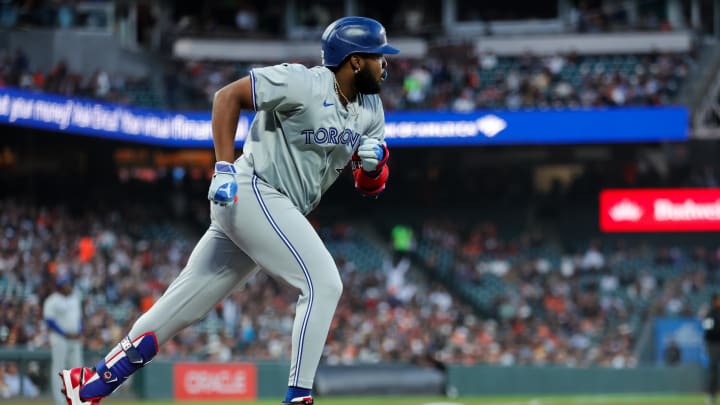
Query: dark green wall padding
x: 493, y: 380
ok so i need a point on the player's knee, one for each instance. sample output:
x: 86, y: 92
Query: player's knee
x: 337, y: 289
x: 330, y: 289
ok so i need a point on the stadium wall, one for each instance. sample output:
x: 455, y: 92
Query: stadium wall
x: 156, y: 380
x: 493, y: 380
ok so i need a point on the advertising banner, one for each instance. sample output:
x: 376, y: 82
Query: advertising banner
x: 684, y: 333
x: 418, y: 128
x: 214, y: 381
x: 551, y: 126
x: 660, y: 210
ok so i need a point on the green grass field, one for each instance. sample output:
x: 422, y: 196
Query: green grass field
x: 560, y: 400
x: 505, y: 400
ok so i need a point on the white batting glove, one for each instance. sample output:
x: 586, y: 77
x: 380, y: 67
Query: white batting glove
x: 370, y: 152
x: 223, y: 188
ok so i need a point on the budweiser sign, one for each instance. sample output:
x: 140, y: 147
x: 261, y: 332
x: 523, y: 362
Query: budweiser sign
x: 660, y: 210
x: 200, y: 381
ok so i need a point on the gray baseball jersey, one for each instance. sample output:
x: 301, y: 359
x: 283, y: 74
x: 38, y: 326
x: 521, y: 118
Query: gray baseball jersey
x: 299, y: 142
x: 303, y: 137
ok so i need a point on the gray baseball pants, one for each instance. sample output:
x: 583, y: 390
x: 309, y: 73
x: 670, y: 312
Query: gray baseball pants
x: 262, y: 230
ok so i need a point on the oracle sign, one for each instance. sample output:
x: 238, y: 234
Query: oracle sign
x: 231, y: 381
x: 660, y: 210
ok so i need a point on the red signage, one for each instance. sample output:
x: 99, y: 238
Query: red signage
x: 660, y: 210
x: 213, y: 381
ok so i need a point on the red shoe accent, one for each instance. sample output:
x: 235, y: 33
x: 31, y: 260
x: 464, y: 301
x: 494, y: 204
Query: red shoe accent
x: 301, y: 401
x: 72, y: 380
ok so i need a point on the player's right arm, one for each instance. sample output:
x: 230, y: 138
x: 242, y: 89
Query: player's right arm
x: 276, y: 88
x: 50, y: 315
x: 282, y: 88
x: 227, y: 104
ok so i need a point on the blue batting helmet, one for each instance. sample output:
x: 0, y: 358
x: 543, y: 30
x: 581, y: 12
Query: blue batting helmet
x: 63, y: 280
x: 350, y: 35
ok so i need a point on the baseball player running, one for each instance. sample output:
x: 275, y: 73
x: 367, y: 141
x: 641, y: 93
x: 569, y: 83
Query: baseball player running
x: 309, y: 123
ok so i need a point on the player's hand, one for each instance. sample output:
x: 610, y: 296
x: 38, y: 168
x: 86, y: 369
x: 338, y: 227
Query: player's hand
x: 370, y: 152
x: 223, y: 187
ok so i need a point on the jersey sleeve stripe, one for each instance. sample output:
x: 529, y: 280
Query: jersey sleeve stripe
x: 306, y: 272
x: 252, y: 84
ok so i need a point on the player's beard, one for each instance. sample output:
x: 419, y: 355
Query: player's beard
x: 366, y: 83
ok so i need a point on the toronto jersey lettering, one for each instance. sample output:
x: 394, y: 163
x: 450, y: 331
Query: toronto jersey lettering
x: 290, y: 99
x: 331, y: 135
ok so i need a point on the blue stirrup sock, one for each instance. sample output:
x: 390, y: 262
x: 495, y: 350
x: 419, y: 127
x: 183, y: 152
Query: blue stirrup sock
x: 295, y: 392
x: 116, y: 367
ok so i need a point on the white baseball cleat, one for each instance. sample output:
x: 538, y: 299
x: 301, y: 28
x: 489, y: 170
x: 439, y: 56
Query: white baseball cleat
x: 72, y: 381
x: 301, y: 401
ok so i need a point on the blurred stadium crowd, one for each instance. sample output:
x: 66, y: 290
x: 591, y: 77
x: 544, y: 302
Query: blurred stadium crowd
x: 487, y: 81
x: 540, y: 304
x: 459, y: 81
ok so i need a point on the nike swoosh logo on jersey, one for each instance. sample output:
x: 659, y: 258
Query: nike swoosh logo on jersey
x: 326, y: 104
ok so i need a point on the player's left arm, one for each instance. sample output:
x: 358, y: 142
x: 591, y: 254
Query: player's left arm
x: 370, y: 168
